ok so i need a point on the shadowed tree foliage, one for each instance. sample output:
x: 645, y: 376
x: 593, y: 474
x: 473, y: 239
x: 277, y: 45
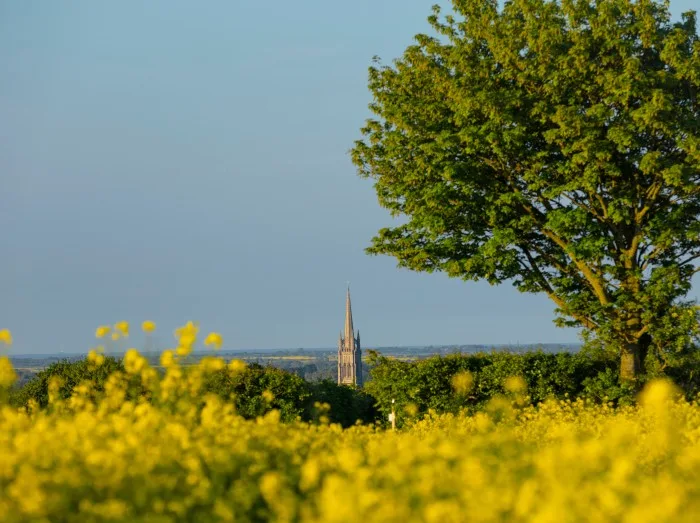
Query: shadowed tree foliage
x: 258, y: 389
x: 70, y: 374
x: 428, y: 384
x: 348, y: 405
x: 555, y: 145
x: 293, y: 396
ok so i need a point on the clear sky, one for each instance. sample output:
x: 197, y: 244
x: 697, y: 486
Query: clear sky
x: 175, y: 160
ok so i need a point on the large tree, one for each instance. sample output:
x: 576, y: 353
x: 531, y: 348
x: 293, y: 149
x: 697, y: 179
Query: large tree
x: 554, y: 144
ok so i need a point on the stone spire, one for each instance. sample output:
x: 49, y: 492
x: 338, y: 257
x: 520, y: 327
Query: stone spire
x: 349, y: 331
x: 349, y: 351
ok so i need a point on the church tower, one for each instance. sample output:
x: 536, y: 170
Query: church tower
x: 349, y: 352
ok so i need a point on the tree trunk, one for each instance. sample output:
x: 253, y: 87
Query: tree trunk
x: 630, y: 362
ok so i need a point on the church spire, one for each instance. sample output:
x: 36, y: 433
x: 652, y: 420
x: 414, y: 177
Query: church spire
x: 349, y: 352
x: 349, y: 332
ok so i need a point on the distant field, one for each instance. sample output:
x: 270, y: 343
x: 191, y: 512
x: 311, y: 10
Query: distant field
x: 286, y: 358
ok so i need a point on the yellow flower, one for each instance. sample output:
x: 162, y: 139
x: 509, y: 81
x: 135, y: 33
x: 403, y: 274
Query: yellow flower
x: 187, y: 340
x: 102, y: 331
x: 411, y: 409
x: 7, y: 373
x: 657, y: 394
x: 215, y: 339
x: 515, y: 384
x: 134, y: 363
x: 632, y: 463
x: 54, y: 388
x: 211, y: 364
x: 167, y: 359
x: 95, y: 358
x: 462, y: 382
x: 122, y: 327
x: 186, y: 336
x: 188, y: 330
x: 183, y: 350
x: 115, y: 336
x: 237, y: 366
x: 5, y: 336
x: 148, y: 326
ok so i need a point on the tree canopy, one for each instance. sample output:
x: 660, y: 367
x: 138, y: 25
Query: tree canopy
x: 554, y: 144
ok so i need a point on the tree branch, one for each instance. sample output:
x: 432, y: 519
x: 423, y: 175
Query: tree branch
x: 547, y: 288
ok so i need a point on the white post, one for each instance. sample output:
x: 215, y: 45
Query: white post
x: 393, y: 416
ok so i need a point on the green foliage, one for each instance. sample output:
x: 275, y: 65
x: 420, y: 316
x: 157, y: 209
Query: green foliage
x: 554, y: 145
x: 428, y: 384
x: 605, y: 387
x: 248, y: 389
x: 417, y: 387
x: 348, y: 405
x: 293, y: 396
x: 685, y: 374
x: 254, y: 391
x: 70, y: 373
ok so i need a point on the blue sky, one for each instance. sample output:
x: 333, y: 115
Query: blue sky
x: 175, y: 160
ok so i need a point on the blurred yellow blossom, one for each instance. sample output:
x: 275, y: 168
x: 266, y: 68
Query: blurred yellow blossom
x: 186, y: 338
x: 148, y: 326
x: 236, y: 365
x: 5, y: 336
x: 515, y: 384
x: 54, y: 388
x: 183, y: 350
x: 167, y: 358
x: 95, y: 358
x: 8, y: 376
x: 188, y: 331
x: 134, y: 363
x: 214, y: 339
x: 209, y: 364
x: 163, y: 446
x: 462, y: 382
x: 658, y: 394
x: 411, y: 409
x: 102, y: 331
x: 122, y: 327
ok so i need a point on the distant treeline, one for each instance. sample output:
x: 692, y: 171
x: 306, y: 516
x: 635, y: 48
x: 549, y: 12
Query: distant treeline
x: 312, y: 365
x: 439, y: 383
x: 255, y: 391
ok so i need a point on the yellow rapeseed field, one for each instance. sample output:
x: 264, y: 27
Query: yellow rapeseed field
x: 177, y: 456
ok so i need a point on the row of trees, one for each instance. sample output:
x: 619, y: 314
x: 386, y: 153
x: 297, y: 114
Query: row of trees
x: 254, y: 391
x: 455, y: 382
x: 442, y: 384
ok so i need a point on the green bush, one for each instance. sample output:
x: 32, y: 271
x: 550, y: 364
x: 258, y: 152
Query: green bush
x: 424, y: 385
x: 427, y: 384
x: 606, y: 387
x: 71, y: 373
x: 417, y: 387
x: 348, y: 405
x: 254, y: 391
x: 285, y: 391
x: 293, y: 396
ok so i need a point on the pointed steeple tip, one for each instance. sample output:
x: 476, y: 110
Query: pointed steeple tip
x: 349, y: 332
